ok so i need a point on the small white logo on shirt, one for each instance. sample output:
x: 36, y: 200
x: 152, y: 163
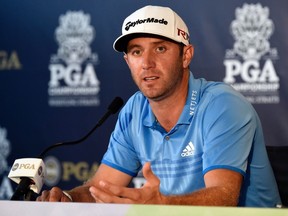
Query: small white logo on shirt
x: 189, y: 150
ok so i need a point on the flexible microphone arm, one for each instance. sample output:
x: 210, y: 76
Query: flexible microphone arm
x: 113, y: 108
x: 23, y: 188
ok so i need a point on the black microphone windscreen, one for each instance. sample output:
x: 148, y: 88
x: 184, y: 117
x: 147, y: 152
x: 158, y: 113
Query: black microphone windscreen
x: 115, y: 105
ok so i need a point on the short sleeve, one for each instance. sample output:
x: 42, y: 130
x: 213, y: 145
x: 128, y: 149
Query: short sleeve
x: 121, y: 154
x: 229, y: 129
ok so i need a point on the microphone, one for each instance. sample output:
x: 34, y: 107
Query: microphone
x: 29, y: 173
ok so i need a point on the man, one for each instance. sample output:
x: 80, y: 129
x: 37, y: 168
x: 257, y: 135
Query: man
x: 197, y: 142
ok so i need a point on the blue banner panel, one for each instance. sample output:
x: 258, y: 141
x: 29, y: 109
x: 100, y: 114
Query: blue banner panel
x: 59, y: 72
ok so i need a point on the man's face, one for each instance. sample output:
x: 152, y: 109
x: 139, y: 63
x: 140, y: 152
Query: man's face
x: 156, y: 66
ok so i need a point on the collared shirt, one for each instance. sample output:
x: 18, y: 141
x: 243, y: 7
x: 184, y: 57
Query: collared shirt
x: 218, y: 128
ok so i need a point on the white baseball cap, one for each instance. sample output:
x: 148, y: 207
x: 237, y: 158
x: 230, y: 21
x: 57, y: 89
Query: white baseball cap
x: 155, y: 20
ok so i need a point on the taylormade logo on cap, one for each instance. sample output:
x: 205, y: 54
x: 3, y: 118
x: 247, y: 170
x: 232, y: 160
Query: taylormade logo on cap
x: 148, y: 20
x: 152, y: 20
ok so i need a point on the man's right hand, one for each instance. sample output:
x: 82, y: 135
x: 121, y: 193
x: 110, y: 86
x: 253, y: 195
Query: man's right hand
x: 54, y: 195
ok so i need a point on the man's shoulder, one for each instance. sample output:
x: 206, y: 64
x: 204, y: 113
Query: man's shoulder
x: 219, y: 89
x: 204, y: 86
x: 222, y: 95
x: 136, y: 99
x: 136, y: 103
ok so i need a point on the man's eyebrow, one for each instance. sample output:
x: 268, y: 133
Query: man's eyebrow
x: 133, y: 46
x: 139, y: 46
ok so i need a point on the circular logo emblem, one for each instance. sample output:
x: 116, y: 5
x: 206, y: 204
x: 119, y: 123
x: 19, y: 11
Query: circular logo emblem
x: 53, y: 171
x: 15, y: 166
x: 40, y: 170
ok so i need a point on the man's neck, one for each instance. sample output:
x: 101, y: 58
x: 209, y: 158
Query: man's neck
x: 168, y: 110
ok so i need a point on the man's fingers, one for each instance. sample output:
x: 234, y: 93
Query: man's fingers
x: 54, y: 195
x: 43, y: 196
x: 149, y: 175
x: 119, y: 191
x: 108, y: 193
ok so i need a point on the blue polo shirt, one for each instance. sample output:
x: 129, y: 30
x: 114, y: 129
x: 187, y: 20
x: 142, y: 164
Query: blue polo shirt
x: 218, y: 128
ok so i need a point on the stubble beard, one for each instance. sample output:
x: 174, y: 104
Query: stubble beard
x: 166, y: 89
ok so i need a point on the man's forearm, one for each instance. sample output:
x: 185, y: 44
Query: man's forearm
x: 214, y: 196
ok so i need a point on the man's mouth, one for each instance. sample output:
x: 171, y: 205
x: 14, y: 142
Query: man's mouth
x: 150, y: 78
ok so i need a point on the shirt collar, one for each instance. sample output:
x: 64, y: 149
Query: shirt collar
x: 189, y: 107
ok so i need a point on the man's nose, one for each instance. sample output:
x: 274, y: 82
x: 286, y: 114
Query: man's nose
x: 148, y: 60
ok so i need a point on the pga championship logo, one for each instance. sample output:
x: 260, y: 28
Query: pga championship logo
x: 250, y: 65
x: 73, y: 79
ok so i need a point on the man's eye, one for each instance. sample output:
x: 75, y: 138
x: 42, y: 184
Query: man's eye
x: 161, y: 49
x: 136, y: 52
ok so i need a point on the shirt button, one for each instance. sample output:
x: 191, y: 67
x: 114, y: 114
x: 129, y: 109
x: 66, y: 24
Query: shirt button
x: 167, y: 138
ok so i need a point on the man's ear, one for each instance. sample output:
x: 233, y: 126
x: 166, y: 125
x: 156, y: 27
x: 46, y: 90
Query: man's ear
x: 126, y: 59
x: 187, y: 55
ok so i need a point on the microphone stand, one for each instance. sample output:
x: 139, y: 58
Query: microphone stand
x: 23, y: 191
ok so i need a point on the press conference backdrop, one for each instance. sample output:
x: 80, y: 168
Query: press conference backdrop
x: 59, y: 72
